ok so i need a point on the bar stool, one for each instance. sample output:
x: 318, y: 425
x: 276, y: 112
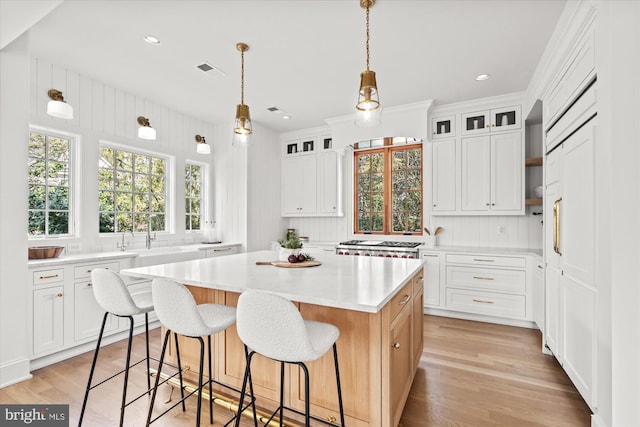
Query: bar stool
x: 177, y: 311
x: 112, y: 295
x: 272, y: 326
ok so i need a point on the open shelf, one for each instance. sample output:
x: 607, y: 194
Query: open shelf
x: 530, y: 202
x: 533, y: 161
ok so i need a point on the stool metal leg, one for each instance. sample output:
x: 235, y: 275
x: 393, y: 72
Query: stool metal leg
x: 281, y: 392
x: 210, y: 381
x: 247, y: 377
x: 126, y: 371
x: 184, y: 408
x: 335, y: 358
x: 146, y: 336
x: 155, y: 388
x: 307, y: 411
x: 200, y: 380
x: 93, y: 367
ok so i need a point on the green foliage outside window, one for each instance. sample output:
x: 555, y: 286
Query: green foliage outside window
x: 193, y: 196
x: 131, y: 191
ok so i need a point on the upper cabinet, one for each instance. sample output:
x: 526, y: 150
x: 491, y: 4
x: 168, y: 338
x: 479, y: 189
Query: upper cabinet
x: 481, y: 172
x: 494, y: 120
x: 443, y: 127
x: 311, y: 177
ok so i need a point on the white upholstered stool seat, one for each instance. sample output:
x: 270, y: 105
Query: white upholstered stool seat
x: 178, y: 312
x: 272, y: 326
x: 113, y: 296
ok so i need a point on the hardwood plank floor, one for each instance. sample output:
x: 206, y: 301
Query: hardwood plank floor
x: 470, y: 374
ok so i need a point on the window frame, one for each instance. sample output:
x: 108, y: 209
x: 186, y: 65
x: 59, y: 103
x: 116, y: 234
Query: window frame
x: 74, y: 183
x: 169, y: 178
x: 204, y: 180
x: 388, y: 148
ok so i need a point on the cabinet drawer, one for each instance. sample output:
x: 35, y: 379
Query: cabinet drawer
x: 486, y: 279
x: 487, y: 260
x: 84, y: 271
x: 215, y: 252
x: 489, y: 303
x: 400, y: 300
x: 43, y: 277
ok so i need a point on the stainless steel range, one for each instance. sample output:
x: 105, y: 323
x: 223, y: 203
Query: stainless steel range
x: 378, y: 248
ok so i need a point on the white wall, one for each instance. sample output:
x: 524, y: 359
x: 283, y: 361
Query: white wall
x: 14, y: 86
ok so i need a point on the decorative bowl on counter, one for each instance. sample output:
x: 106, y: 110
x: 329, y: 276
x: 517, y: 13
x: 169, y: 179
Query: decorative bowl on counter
x: 45, y: 252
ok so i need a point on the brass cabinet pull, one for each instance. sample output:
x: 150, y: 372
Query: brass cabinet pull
x: 222, y: 250
x: 483, y: 260
x: 59, y: 295
x: 482, y: 301
x: 430, y: 255
x: 396, y: 345
x: 331, y: 419
x: 556, y: 226
x: 483, y: 278
x: 51, y: 276
x: 540, y: 267
x: 89, y: 285
x: 406, y: 299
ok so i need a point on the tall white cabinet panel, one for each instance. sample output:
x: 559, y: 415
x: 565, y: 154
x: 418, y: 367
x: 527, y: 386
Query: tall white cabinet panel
x: 328, y: 191
x: 506, y: 172
x: 431, y: 279
x: 476, y: 173
x: 444, y: 176
x: 299, y: 185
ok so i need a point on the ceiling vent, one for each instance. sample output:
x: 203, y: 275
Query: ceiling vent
x: 276, y: 110
x: 210, y: 70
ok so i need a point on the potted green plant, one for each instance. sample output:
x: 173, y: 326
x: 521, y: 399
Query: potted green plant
x: 289, y: 246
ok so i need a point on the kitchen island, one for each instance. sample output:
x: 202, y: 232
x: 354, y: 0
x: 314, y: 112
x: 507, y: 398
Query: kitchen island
x: 376, y: 303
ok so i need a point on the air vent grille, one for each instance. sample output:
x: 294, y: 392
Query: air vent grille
x: 210, y: 69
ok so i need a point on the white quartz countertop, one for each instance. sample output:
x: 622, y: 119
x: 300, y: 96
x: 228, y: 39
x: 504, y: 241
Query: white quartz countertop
x: 103, y: 256
x: 482, y: 250
x: 354, y: 283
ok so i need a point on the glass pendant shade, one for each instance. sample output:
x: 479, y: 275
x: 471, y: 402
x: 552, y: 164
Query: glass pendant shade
x: 368, y: 106
x: 242, y: 129
x: 147, y: 132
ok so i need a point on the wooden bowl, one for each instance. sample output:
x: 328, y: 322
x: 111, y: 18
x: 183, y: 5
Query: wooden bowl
x: 44, y: 252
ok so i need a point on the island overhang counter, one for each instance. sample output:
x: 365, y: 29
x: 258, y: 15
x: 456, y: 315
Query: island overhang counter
x: 375, y: 302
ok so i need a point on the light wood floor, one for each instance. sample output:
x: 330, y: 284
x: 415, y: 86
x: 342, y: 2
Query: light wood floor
x: 471, y: 374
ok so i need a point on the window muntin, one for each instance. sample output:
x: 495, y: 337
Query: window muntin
x: 132, y: 190
x: 388, y: 188
x: 50, y: 185
x: 193, y: 176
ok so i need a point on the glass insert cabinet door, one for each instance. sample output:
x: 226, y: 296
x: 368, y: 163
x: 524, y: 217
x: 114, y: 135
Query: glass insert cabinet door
x: 443, y: 127
x: 494, y: 120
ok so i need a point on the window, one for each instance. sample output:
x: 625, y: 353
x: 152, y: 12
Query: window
x: 50, y: 192
x: 388, y: 187
x: 193, y: 196
x: 132, y: 191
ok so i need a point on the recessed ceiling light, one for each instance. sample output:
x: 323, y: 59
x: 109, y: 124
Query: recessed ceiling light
x: 286, y: 117
x: 151, y: 39
x: 482, y: 77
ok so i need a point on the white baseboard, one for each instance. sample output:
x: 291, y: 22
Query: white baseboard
x: 480, y: 318
x: 14, y: 372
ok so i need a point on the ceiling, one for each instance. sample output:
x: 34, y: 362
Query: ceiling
x: 305, y: 56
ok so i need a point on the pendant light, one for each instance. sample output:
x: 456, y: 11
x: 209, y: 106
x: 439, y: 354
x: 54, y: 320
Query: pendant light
x: 368, y: 106
x: 202, y: 147
x: 58, y: 107
x: 242, y: 129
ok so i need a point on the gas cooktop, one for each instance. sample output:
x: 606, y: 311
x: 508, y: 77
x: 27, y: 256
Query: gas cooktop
x: 375, y: 243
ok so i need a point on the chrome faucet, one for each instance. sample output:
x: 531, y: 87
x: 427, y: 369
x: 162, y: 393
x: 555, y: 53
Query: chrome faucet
x: 149, y: 239
x: 123, y: 245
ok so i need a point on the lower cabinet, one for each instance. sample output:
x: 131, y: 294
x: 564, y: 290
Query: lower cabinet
x: 48, y: 319
x: 88, y: 314
x: 431, y: 279
x: 401, y: 365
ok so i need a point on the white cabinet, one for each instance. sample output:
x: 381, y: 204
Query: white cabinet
x: 571, y: 291
x: 492, y: 173
x: 444, y: 176
x: 443, y: 127
x: 48, y: 319
x: 431, y: 279
x: 216, y: 252
x: 88, y: 314
x: 537, y: 275
x: 328, y: 190
x: 299, y: 185
x: 494, y: 120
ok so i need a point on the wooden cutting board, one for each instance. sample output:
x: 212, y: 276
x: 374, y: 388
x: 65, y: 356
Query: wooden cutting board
x: 286, y: 264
